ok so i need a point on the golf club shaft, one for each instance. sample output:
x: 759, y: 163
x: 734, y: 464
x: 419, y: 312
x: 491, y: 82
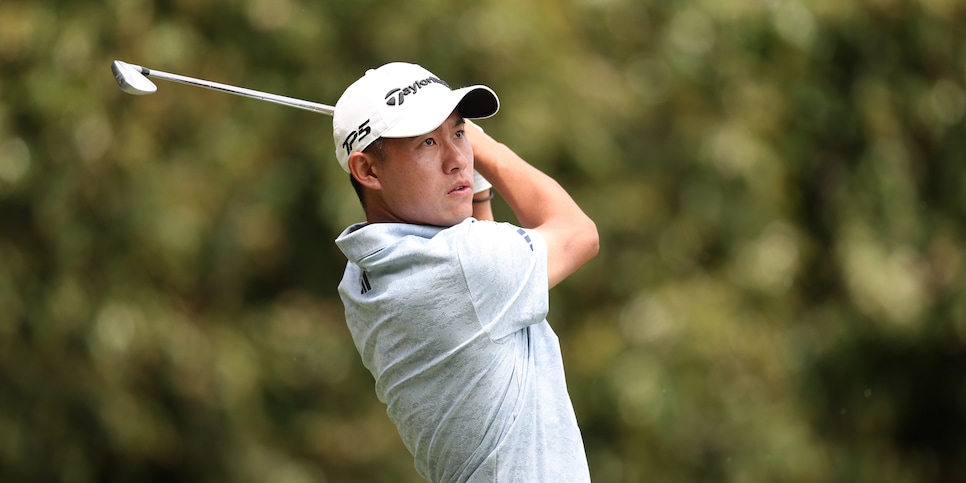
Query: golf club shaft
x: 241, y: 91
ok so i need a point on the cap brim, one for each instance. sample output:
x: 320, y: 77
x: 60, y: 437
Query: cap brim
x: 479, y: 102
x: 474, y: 102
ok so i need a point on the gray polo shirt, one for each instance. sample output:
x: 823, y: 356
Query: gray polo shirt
x: 452, y: 324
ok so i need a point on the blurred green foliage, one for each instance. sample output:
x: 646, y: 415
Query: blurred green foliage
x: 779, y: 185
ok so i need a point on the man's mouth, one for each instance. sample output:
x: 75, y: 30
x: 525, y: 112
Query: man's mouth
x: 459, y: 188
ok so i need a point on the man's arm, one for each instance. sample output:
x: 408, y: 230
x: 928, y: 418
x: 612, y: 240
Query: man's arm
x: 539, y: 203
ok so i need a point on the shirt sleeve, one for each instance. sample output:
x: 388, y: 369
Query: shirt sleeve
x: 505, y: 267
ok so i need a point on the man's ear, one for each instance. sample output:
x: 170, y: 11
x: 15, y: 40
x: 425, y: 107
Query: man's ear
x: 363, y: 169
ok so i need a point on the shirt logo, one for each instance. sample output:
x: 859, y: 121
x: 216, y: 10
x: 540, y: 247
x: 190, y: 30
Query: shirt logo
x: 525, y: 237
x: 364, y: 281
x: 396, y: 96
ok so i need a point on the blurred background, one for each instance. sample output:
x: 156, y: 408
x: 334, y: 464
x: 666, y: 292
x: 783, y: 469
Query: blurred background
x: 779, y: 185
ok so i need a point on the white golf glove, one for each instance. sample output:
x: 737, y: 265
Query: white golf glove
x: 480, y: 183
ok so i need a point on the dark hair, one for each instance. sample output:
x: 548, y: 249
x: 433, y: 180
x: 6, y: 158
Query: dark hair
x: 375, y: 149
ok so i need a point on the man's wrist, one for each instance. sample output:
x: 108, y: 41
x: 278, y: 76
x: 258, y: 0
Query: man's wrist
x: 483, y: 196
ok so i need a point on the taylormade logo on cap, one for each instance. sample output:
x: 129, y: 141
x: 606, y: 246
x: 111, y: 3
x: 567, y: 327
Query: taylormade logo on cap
x: 400, y: 100
x: 391, y: 97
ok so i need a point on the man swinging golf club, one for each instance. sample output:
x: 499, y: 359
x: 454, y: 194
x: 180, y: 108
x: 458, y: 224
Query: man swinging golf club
x: 447, y: 307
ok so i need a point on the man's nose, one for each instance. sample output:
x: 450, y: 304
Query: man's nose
x: 456, y: 158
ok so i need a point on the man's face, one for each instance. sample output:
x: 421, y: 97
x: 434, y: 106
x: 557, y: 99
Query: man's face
x: 428, y: 180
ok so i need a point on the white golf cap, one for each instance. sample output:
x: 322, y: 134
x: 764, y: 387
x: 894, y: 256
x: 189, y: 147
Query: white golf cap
x: 401, y: 100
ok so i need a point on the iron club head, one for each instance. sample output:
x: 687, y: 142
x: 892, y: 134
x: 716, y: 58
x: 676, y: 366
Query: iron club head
x: 131, y: 80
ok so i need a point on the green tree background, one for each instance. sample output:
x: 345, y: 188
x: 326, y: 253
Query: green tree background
x: 779, y: 186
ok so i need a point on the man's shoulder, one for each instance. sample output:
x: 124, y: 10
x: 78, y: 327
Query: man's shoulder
x: 467, y: 239
x: 500, y: 236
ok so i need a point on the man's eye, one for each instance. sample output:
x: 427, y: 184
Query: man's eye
x: 429, y: 141
x: 460, y: 133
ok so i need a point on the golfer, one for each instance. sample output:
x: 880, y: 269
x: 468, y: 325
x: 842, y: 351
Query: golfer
x: 447, y: 307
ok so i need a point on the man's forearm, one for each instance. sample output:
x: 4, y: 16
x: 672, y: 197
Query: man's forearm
x: 482, y: 208
x: 534, y: 197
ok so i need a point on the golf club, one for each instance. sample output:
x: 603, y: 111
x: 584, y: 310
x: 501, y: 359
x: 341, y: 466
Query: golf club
x: 133, y: 79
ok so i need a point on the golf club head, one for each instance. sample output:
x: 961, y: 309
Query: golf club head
x: 131, y: 80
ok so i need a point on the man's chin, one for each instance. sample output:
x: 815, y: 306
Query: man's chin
x: 454, y: 222
x: 456, y: 219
